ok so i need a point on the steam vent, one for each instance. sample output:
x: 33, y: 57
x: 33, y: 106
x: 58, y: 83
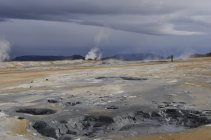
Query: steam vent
x: 93, y: 54
x: 105, y: 70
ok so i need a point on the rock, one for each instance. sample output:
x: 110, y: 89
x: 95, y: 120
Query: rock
x: 21, y: 118
x: 52, y: 101
x: 112, y: 107
x: 72, y: 103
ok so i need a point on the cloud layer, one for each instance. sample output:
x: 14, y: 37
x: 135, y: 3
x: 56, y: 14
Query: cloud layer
x: 58, y: 27
x: 155, y: 17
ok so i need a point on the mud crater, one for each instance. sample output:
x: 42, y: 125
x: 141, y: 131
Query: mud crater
x: 141, y: 122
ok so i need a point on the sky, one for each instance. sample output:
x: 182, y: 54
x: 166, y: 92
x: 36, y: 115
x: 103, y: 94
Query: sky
x: 66, y: 27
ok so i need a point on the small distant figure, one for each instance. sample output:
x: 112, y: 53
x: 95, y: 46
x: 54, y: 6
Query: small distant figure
x: 172, y: 58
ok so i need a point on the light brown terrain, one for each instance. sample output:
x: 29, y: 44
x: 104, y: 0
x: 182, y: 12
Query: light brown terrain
x: 186, y: 81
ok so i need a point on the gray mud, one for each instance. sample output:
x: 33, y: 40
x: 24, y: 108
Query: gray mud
x: 76, y: 116
x: 167, y: 117
x: 91, y: 104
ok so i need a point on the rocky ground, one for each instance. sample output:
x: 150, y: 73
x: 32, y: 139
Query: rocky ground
x: 117, y: 100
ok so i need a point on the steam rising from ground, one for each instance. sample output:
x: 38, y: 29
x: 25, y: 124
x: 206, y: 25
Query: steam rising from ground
x: 186, y: 55
x: 93, y: 54
x: 4, y: 50
x: 101, y: 37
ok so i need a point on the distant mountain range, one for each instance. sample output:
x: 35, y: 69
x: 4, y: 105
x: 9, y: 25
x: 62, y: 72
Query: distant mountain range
x: 134, y: 57
x: 46, y: 58
x: 125, y: 57
x: 201, y: 55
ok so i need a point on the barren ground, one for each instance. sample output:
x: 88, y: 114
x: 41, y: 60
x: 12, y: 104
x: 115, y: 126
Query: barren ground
x: 106, y: 100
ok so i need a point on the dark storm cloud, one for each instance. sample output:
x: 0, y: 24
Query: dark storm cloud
x: 30, y: 8
x: 64, y: 27
x: 155, y: 17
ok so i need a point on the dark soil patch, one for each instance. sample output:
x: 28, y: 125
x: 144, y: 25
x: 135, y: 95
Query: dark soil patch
x: 112, y: 107
x: 36, y: 111
x: 21, y: 118
x: 72, y: 103
x: 53, y: 101
x: 123, y: 78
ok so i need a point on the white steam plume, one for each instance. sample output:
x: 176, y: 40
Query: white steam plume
x: 93, y: 54
x: 100, y: 37
x: 185, y: 55
x: 4, y: 50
